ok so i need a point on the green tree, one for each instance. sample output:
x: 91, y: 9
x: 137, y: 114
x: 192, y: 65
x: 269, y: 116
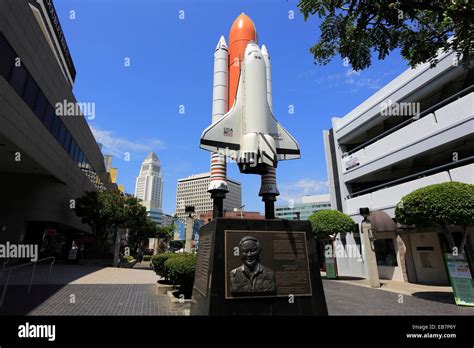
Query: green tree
x: 440, y: 205
x: 166, y: 232
x: 140, y: 234
x: 353, y: 29
x: 327, y: 223
x: 104, y: 212
x: 108, y: 211
x: 140, y: 226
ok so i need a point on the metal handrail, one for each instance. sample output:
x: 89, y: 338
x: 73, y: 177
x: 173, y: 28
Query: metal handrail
x: 391, y: 183
x: 411, y: 119
x: 32, y: 274
x: 3, y: 267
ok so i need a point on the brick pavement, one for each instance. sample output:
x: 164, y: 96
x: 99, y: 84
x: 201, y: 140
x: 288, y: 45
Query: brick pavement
x: 347, y: 299
x: 86, y: 290
x: 113, y: 291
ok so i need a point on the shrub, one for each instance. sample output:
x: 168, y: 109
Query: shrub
x: 450, y: 203
x: 147, y: 258
x: 158, y: 262
x: 181, y: 271
x: 440, y: 205
x: 330, y: 222
x: 128, y: 258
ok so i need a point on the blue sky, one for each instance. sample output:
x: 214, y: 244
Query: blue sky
x: 171, y: 64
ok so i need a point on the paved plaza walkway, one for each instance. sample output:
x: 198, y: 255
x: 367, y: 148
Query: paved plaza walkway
x: 345, y: 298
x: 85, y: 290
x: 99, y: 290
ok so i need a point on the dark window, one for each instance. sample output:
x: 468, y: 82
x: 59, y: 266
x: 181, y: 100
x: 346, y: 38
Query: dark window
x: 7, y: 58
x: 18, y: 78
x: 357, y: 240
x: 30, y: 92
x: 385, y: 252
x: 40, y: 106
x: 62, y: 134
x: 48, y: 117
x: 67, y: 141
x: 55, y: 128
x: 72, y: 148
x: 81, y: 159
x: 76, y: 154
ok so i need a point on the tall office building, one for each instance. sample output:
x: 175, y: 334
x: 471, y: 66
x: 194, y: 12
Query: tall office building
x: 193, y: 191
x: 149, y: 187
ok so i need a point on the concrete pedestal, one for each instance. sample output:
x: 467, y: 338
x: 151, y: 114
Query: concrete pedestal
x: 286, y: 281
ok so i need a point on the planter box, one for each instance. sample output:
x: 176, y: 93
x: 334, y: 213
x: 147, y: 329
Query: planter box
x: 162, y: 289
x: 178, y: 304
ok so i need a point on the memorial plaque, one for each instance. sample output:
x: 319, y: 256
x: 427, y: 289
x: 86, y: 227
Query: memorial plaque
x: 201, y: 276
x: 266, y: 264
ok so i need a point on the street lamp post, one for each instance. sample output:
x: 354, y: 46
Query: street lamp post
x: 188, y: 234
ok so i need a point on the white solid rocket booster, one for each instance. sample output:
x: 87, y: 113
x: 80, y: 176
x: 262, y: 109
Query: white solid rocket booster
x: 218, y: 179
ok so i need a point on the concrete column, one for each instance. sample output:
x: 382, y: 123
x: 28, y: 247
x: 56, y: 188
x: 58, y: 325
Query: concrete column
x: 370, y: 256
x: 189, y: 234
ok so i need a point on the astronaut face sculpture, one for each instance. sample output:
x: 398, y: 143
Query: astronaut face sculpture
x: 250, y: 251
x: 251, y: 277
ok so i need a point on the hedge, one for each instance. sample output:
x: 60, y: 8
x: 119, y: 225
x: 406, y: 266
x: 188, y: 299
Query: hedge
x: 158, y: 262
x: 181, y: 271
x: 128, y: 258
x: 330, y: 222
x: 448, y: 203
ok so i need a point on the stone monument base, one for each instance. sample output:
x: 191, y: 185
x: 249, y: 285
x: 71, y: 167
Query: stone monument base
x: 285, y: 280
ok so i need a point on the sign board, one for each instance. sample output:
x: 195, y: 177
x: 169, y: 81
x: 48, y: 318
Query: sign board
x: 72, y: 254
x: 201, y: 278
x: 197, y: 224
x: 461, y: 279
x: 351, y: 162
x: 178, y: 230
x: 331, y: 270
x: 266, y: 264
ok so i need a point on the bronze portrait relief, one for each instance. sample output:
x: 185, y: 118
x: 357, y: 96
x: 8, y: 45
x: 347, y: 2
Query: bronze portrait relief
x: 251, y: 277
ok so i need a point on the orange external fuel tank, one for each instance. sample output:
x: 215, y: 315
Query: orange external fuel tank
x: 242, y: 31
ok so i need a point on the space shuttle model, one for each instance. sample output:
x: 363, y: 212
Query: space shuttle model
x: 243, y: 127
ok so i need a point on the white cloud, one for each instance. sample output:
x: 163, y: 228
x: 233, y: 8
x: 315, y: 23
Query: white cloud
x: 351, y: 72
x: 296, y: 189
x: 117, y: 146
x: 355, y: 78
x: 350, y: 77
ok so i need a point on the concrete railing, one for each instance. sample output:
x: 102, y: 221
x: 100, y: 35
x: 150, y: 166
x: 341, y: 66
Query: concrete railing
x: 457, y: 112
x: 388, y: 197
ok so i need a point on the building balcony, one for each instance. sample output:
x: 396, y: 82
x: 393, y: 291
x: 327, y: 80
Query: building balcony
x: 387, y: 198
x: 448, y: 123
